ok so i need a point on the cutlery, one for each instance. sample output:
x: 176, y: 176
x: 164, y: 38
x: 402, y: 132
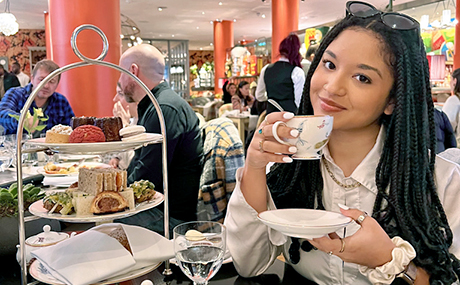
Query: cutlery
x: 277, y: 106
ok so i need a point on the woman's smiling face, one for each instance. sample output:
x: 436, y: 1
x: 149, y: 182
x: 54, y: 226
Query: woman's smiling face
x: 353, y: 81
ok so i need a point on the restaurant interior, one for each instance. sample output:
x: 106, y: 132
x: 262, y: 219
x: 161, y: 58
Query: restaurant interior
x: 205, y: 44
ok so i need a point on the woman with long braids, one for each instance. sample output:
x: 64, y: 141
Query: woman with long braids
x: 371, y: 74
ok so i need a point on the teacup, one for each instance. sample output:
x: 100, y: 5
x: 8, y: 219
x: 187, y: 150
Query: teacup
x: 313, y: 135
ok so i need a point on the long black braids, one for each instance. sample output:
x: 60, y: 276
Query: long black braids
x: 407, y: 204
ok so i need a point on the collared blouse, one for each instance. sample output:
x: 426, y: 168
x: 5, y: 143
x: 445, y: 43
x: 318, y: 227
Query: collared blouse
x: 254, y: 246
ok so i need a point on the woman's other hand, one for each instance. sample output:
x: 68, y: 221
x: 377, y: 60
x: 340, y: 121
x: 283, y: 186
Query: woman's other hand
x: 369, y: 246
x: 264, y: 148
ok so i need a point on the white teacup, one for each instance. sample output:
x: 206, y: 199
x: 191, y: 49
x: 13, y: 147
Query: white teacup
x: 314, y: 133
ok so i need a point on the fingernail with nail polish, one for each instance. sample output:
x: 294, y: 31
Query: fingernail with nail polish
x: 294, y: 133
x: 288, y: 115
x: 287, y: 159
x: 343, y: 206
x: 292, y: 149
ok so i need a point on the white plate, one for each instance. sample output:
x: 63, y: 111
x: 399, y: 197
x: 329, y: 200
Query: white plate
x: 37, y: 209
x: 96, y: 148
x: 39, y: 272
x: 85, y: 164
x: 304, y: 223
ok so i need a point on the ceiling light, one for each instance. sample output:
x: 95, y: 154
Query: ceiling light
x: 8, y: 24
x: 220, y: 3
x: 211, y: 22
x: 201, y: 48
x: 121, y: 36
x: 172, y: 36
x: 197, y: 28
x: 161, y: 8
x: 211, y: 44
x: 234, y: 20
x: 263, y: 16
x: 132, y: 37
x: 202, y: 13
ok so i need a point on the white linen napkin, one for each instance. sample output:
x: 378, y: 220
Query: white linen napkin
x: 93, y: 256
x: 59, y: 181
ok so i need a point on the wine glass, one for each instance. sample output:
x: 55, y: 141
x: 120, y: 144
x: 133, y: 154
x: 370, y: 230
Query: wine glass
x: 199, y: 249
x: 6, y: 158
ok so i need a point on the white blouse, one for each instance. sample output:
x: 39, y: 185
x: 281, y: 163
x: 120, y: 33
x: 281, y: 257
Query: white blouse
x: 254, y: 246
x: 452, y: 109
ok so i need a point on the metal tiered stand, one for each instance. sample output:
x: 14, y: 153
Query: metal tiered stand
x: 85, y: 62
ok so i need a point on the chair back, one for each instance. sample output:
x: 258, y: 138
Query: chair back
x: 223, y: 155
x: 261, y: 118
x: 224, y: 108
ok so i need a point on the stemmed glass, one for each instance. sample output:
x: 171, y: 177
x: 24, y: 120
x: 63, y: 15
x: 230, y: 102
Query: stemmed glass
x: 199, y: 249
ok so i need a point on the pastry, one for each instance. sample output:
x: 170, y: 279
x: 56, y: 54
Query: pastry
x: 132, y: 133
x: 75, y: 122
x: 87, y: 134
x: 58, y: 134
x: 108, y: 202
x: 110, y: 126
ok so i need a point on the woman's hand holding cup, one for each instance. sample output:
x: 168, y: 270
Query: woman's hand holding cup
x: 265, y: 148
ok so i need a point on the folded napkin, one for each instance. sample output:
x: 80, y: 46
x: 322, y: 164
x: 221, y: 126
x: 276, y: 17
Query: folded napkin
x: 93, y: 256
x: 59, y: 181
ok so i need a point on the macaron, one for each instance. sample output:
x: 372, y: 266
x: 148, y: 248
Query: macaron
x: 131, y: 133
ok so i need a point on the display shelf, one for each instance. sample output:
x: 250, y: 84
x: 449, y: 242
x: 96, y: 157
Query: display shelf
x: 19, y: 151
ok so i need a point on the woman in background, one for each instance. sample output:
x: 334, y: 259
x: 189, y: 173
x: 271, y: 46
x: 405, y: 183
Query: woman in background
x: 283, y: 80
x: 242, y: 100
x: 452, y: 105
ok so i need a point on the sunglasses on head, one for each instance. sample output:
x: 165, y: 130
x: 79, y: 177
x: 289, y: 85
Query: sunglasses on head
x: 393, y: 20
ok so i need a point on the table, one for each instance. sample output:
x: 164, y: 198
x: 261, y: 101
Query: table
x: 241, y: 122
x: 278, y: 273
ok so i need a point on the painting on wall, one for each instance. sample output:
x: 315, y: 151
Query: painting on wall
x: 16, y: 47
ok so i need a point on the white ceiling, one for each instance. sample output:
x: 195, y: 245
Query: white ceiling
x: 191, y: 19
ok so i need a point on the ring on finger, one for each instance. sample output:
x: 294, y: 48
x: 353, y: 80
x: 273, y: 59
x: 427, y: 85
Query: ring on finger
x: 342, y: 249
x: 260, y: 131
x: 261, y: 145
x: 361, y: 218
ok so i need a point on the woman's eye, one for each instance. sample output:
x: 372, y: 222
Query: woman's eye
x: 363, y: 79
x: 328, y: 64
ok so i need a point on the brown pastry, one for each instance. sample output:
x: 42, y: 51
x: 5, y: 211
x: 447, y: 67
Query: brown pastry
x: 108, y: 202
x: 117, y: 232
x: 75, y: 122
x: 111, y: 127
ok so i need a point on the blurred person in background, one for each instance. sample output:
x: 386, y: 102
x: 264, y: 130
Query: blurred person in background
x: 452, y: 105
x: 445, y: 137
x: 283, y: 80
x: 309, y: 55
x: 54, y: 105
x: 242, y: 100
x: 8, y: 80
x: 229, y: 89
x: 23, y: 78
x: 128, y: 114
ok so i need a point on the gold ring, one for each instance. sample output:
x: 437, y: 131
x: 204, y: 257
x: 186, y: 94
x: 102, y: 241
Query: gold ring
x: 342, y: 249
x: 361, y: 218
x: 261, y: 145
x: 266, y: 121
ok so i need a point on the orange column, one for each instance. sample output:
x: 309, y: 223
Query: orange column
x: 285, y: 19
x: 89, y: 89
x: 457, y: 37
x: 223, y: 39
x: 49, y: 50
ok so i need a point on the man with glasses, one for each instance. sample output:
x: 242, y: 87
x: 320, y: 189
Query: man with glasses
x: 54, y: 106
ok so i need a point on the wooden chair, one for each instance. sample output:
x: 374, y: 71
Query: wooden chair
x: 261, y: 118
x: 225, y: 107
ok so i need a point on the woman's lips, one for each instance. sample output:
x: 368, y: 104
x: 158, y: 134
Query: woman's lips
x: 331, y: 106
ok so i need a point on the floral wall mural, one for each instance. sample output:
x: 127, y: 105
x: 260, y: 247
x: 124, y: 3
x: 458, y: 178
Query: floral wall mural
x: 16, y: 48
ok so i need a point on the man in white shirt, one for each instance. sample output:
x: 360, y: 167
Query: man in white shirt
x: 24, y: 79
